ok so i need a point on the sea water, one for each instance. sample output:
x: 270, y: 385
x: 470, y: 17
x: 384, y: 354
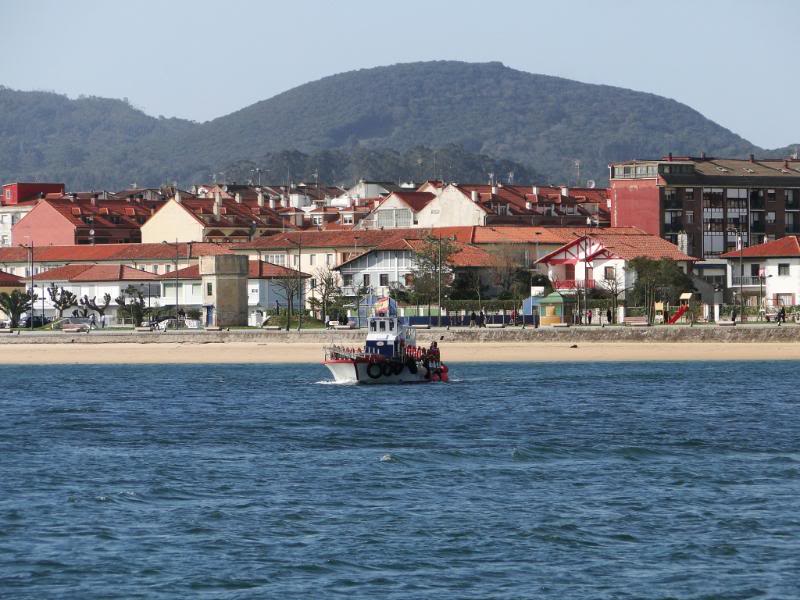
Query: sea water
x: 627, y: 480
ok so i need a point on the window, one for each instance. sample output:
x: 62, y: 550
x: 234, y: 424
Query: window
x: 783, y: 269
x: 770, y: 217
x: 8, y: 194
x: 791, y: 199
x: 328, y: 260
x: 348, y: 219
x: 155, y: 269
x: 167, y: 268
x: 209, y: 289
x: 384, y: 279
x: 311, y: 258
x: 689, y: 217
x: 347, y: 279
x: 365, y: 280
x: 313, y: 283
x: 755, y: 269
x: 383, y: 325
x: 3, y: 218
x: 688, y: 194
x: 609, y: 274
x: 770, y: 195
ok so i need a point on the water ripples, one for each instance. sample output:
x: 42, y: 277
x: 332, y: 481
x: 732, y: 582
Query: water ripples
x: 564, y: 481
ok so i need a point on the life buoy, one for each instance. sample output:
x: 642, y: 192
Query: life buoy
x: 374, y: 370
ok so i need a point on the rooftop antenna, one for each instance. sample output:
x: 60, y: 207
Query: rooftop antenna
x: 577, y: 164
x: 511, y: 178
x: 491, y: 179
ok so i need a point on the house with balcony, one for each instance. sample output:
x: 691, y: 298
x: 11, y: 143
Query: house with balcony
x: 390, y: 266
x: 766, y: 274
x: 600, y: 260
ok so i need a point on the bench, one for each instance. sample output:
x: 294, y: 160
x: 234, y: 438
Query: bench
x: 74, y: 328
x: 143, y: 328
x: 560, y: 325
x: 726, y: 323
x: 346, y: 326
x: 637, y: 321
x: 272, y: 327
x: 422, y: 326
x: 495, y: 325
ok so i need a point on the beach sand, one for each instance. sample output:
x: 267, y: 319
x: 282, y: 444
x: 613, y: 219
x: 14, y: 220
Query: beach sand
x: 249, y: 352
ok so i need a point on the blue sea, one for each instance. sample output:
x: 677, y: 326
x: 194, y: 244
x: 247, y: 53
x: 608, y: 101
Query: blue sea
x: 640, y: 480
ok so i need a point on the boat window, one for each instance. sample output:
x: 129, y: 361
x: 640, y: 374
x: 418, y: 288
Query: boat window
x: 391, y: 325
x: 383, y: 325
x: 372, y: 326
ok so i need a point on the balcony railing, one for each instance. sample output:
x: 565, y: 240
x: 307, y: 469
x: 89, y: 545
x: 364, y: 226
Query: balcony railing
x: 746, y: 280
x: 573, y: 284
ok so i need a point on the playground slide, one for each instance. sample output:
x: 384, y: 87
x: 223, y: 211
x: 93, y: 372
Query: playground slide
x: 674, y: 318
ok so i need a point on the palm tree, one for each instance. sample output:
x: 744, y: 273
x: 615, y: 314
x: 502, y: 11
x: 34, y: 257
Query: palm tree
x: 16, y: 303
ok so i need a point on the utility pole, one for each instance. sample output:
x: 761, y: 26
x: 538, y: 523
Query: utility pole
x: 439, y: 278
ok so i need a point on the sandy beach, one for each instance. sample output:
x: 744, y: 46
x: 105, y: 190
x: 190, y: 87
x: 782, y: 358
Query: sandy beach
x: 257, y: 352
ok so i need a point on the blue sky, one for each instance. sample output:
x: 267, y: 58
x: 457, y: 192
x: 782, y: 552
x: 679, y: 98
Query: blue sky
x: 734, y: 61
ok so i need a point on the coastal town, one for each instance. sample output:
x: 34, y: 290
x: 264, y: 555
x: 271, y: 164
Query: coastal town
x: 495, y: 254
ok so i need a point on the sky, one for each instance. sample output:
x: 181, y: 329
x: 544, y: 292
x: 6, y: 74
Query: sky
x: 734, y: 61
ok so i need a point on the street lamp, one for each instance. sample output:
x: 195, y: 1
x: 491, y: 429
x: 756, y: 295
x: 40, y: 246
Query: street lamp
x: 29, y: 249
x: 177, y: 257
x: 302, y: 285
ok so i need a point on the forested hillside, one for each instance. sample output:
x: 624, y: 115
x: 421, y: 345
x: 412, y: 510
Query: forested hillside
x: 481, y: 117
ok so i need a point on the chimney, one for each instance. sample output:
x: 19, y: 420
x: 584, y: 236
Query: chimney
x: 284, y: 201
x: 73, y: 196
x: 670, y: 156
x: 474, y: 195
x: 272, y: 203
x: 238, y: 198
x: 536, y: 190
x: 752, y: 158
x: 217, y: 203
x: 261, y: 198
x: 130, y: 198
x: 529, y: 205
x: 494, y: 190
x: 94, y: 200
x: 178, y: 196
x: 565, y: 191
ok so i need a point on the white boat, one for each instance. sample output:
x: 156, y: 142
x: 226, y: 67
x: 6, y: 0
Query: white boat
x: 390, y: 354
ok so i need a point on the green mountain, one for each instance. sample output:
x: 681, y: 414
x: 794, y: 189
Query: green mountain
x: 539, y: 125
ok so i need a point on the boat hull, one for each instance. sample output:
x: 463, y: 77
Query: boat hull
x: 363, y: 372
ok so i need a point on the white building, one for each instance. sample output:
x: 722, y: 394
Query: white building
x: 93, y: 283
x: 600, y: 260
x: 767, y: 274
x: 264, y: 289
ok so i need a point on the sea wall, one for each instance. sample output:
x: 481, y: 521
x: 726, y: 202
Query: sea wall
x: 660, y: 334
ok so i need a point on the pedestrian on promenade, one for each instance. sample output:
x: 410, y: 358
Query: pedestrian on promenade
x: 481, y: 319
x: 608, y: 316
x: 473, y: 319
x: 589, y: 316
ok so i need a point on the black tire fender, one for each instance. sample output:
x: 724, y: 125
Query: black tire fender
x: 387, y: 369
x: 374, y: 370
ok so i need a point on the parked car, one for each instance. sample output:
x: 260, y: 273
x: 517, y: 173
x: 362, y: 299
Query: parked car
x: 74, y: 324
x: 38, y: 321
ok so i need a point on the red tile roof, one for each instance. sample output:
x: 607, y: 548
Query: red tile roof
x: 787, y: 246
x: 415, y: 200
x: 465, y: 255
x: 257, y: 270
x: 628, y: 246
x: 95, y: 273
x: 111, y: 252
x: 10, y: 280
x: 233, y: 214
